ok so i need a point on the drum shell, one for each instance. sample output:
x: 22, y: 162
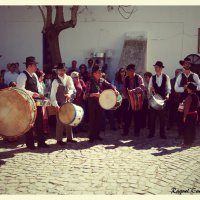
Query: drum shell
x: 154, y: 104
x: 71, y: 114
x: 17, y: 112
x: 118, y: 103
x: 108, y: 100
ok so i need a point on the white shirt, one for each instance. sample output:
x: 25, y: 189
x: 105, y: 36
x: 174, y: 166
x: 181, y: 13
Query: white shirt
x: 67, y: 81
x: 9, y: 77
x: 21, y: 82
x: 178, y: 81
x: 159, y: 82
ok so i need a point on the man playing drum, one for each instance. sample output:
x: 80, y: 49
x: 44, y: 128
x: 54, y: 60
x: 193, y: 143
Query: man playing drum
x: 159, y: 84
x: 28, y: 81
x: 134, y: 84
x: 94, y: 88
x: 62, y: 90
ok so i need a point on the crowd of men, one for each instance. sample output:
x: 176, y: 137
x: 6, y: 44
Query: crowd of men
x: 84, y: 85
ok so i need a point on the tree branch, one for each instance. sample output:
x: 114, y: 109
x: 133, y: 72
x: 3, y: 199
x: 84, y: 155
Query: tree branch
x: 59, y: 19
x: 72, y: 22
x: 43, y: 17
x: 49, y: 16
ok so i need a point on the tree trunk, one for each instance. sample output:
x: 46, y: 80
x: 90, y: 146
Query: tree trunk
x: 51, y: 50
x: 51, y: 31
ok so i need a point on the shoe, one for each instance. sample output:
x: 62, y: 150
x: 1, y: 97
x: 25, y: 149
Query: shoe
x: 72, y: 141
x: 150, y: 136
x: 61, y: 143
x: 43, y: 145
x: 163, y: 137
x: 99, y: 138
x: 31, y: 147
x: 185, y: 146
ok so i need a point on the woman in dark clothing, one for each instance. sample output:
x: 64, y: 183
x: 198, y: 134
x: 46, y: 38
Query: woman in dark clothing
x: 83, y: 73
x: 190, y: 116
x: 119, y: 84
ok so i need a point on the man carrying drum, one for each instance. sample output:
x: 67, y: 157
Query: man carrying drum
x: 62, y: 91
x: 159, y: 84
x: 94, y: 88
x: 28, y: 81
x: 133, y: 84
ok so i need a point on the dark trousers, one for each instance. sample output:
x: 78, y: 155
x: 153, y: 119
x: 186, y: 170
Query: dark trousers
x: 173, y: 113
x: 145, y: 114
x: 38, y: 128
x: 108, y: 114
x: 128, y: 115
x: 180, y: 123
x: 153, y: 115
x: 95, y: 117
x: 189, y: 130
x: 120, y: 113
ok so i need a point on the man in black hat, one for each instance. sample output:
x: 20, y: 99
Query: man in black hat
x: 135, y: 84
x: 28, y: 81
x: 94, y: 88
x: 181, y: 86
x: 158, y: 84
x: 62, y: 90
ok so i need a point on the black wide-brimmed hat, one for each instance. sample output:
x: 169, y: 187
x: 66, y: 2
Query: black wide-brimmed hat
x: 30, y: 60
x: 159, y: 64
x: 60, y: 66
x: 188, y: 60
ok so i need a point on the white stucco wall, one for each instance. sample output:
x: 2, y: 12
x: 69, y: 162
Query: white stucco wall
x: 171, y: 34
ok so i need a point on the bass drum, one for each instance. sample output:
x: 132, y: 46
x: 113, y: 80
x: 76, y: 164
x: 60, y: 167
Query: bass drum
x: 71, y: 114
x: 17, y: 112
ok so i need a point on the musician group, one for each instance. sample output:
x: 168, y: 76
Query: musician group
x: 141, y: 99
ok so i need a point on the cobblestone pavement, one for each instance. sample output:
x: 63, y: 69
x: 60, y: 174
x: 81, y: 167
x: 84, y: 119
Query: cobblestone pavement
x: 118, y: 165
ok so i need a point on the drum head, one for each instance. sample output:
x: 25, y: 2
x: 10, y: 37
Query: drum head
x: 67, y: 113
x: 157, y: 102
x: 15, y: 112
x: 107, y: 99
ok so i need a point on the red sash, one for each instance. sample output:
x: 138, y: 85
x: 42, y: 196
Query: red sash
x: 136, y: 100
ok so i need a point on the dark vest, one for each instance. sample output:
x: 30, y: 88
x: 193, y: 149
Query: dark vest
x: 94, y: 86
x: 162, y: 89
x: 31, y: 83
x: 184, y: 81
x: 61, y: 91
x: 136, y: 82
x: 195, y: 103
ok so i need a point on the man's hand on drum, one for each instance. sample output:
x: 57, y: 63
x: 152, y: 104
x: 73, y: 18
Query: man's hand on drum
x: 152, y: 90
x: 116, y: 92
x: 167, y: 98
x: 36, y: 95
x: 95, y: 95
x: 68, y: 97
